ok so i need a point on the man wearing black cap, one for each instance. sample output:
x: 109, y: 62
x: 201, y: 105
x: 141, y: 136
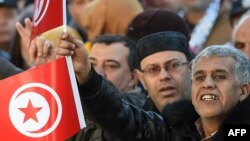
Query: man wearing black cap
x: 8, y: 15
x: 164, y: 70
x: 165, y: 73
x: 150, y: 22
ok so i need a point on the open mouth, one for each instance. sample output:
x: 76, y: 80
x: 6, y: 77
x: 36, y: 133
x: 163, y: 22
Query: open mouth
x: 209, y: 97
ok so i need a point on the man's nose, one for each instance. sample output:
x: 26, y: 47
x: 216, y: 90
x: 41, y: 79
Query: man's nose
x: 100, y: 70
x: 208, y: 83
x: 165, y: 74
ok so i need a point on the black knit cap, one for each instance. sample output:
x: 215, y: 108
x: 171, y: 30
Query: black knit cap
x: 11, y: 3
x: 162, y: 41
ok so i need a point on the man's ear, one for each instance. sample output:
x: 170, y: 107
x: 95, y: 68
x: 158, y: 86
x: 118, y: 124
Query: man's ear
x: 139, y: 75
x: 134, y: 80
x: 245, y: 90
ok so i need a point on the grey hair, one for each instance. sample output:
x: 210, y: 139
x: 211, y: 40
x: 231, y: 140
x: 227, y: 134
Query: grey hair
x: 241, y: 68
x: 241, y: 21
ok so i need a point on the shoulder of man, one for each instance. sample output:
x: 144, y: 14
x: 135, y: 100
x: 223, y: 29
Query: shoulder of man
x: 7, y: 69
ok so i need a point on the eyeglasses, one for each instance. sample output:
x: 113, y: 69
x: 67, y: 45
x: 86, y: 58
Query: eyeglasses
x: 172, y: 67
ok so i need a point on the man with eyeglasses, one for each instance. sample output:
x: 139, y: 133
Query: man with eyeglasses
x: 164, y: 70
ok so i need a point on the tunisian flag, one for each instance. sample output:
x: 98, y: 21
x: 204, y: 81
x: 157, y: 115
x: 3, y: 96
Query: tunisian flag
x: 48, y: 14
x: 39, y: 104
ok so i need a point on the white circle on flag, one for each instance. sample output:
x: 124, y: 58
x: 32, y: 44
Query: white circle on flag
x: 30, y: 127
x: 40, y: 9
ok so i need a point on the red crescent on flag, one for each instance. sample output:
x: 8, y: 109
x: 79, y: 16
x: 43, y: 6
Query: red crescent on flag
x: 40, y: 9
x: 54, y: 106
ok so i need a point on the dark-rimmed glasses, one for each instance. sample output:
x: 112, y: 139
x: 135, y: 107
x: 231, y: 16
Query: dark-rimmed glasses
x: 172, y: 67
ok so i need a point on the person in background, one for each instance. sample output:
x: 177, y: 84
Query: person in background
x: 8, y: 17
x: 164, y: 71
x: 75, y: 8
x: 19, y: 51
x: 108, y: 16
x: 154, y: 21
x: 114, y: 57
x: 241, y: 34
x: 208, y: 22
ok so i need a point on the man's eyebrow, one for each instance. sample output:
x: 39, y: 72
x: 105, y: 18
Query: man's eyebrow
x: 198, y: 72
x: 221, y: 70
x: 216, y: 71
x: 167, y: 62
x: 112, y: 61
x: 92, y: 58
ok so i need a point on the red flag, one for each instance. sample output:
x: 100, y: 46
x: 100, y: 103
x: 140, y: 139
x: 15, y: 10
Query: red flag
x: 48, y: 14
x: 39, y: 104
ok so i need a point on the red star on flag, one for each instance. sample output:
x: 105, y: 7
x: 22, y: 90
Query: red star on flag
x: 30, y: 112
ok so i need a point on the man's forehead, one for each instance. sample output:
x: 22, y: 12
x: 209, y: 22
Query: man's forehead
x: 164, y: 57
x: 214, y: 63
x: 246, y: 23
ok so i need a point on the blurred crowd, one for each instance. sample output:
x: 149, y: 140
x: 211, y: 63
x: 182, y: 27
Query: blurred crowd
x: 209, y: 21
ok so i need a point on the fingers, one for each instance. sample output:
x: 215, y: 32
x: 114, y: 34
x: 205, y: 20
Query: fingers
x: 66, y: 45
x: 22, y: 32
x: 64, y: 52
x: 33, y: 52
x: 47, y: 48
x: 39, y: 44
x: 25, y: 31
x: 40, y: 51
x: 28, y: 24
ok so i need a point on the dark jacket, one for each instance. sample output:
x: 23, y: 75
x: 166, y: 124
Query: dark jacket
x: 93, y: 132
x: 131, y: 123
x: 7, y: 69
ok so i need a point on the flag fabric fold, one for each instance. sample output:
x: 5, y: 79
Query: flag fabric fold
x: 48, y: 14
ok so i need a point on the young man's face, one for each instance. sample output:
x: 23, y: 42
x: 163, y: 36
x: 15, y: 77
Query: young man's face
x: 242, y: 40
x: 215, y: 90
x: 172, y: 81
x: 111, y: 61
x: 8, y: 19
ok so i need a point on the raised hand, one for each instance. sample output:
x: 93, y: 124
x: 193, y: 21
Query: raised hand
x: 70, y: 46
x: 40, y: 50
x: 25, y: 31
